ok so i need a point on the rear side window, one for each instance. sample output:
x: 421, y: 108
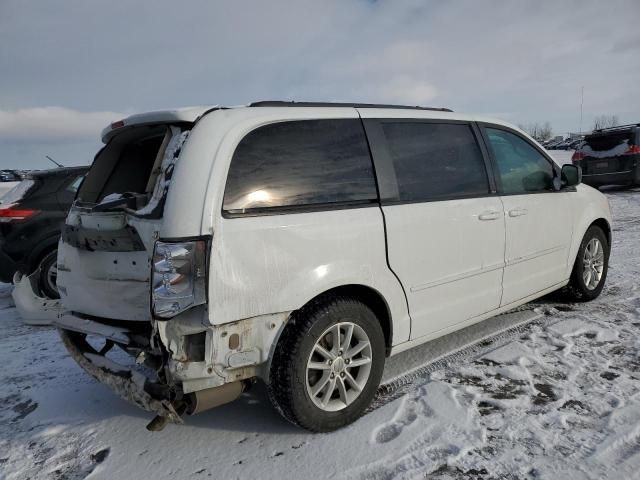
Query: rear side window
x: 18, y: 192
x: 75, y: 184
x: 435, y: 161
x: 300, y: 163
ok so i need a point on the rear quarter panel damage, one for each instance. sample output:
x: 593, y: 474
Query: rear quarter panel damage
x: 273, y: 263
x: 235, y: 351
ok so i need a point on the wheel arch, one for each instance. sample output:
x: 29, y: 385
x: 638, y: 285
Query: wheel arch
x: 604, y: 226
x: 368, y: 296
x: 45, y: 246
x: 587, y: 221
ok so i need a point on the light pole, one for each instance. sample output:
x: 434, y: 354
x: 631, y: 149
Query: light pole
x: 581, y: 103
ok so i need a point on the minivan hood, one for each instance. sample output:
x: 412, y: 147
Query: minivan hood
x: 188, y: 115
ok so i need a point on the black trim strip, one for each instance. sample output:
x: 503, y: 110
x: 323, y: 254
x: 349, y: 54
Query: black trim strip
x: 290, y: 209
x: 284, y: 103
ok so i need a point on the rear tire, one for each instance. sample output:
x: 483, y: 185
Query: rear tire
x: 590, y: 268
x: 47, y: 280
x: 320, y: 384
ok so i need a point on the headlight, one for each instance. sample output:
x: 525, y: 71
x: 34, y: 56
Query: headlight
x: 179, y: 277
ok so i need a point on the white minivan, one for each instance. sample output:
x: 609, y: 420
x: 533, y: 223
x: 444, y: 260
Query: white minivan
x: 301, y: 244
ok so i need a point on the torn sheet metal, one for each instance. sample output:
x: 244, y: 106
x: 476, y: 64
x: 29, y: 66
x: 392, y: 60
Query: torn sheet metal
x: 75, y: 324
x: 156, y: 204
x: 128, y: 384
x: 125, y: 239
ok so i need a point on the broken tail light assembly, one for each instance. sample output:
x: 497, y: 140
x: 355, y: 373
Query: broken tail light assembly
x: 179, y: 277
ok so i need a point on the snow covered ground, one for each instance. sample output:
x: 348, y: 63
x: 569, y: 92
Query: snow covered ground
x: 553, y: 392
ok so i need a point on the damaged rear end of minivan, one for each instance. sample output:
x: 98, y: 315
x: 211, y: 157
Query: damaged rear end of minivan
x: 119, y: 280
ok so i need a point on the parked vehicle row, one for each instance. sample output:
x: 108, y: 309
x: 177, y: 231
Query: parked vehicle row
x: 8, y: 180
x: 610, y: 156
x: 567, y: 144
x: 301, y: 244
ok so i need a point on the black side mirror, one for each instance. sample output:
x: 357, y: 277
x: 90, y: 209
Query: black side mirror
x: 571, y: 175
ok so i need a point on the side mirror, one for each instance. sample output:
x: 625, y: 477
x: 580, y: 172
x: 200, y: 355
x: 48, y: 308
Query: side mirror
x: 571, y: 175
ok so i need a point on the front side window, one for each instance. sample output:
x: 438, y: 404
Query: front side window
x: 300, y: 163
x: 522, y: 168
x: 435, y: 161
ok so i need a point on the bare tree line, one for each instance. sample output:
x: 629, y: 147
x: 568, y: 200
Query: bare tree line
x: 540, y: 131
x: 544, y: 131
x: 605, y: 121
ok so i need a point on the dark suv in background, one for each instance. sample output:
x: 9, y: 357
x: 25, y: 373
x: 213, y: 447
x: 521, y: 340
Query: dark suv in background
x: 610, y: 156
x: 31, y: 216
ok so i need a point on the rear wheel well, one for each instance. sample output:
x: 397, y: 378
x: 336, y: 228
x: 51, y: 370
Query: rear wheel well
x: 371, y: 298
x: 39, y: 254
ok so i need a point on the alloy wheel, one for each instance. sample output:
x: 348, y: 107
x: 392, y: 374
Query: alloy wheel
x: 339, y: 366
x: 593, y: 264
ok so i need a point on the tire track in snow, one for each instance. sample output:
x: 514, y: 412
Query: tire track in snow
x: 399, y: 386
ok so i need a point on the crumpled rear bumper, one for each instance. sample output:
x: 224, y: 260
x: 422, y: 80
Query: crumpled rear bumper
x: 33, y: 309
x: 129, y: 384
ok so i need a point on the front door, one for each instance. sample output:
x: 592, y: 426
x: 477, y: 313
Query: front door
x: 538, y: 218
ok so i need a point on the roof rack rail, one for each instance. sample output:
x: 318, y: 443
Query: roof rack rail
x: 617, y: 127
x: 283, y: 103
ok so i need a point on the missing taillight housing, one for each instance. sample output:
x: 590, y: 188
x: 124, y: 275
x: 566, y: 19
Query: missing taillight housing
x: 14, y: 213
x: 179, y: 277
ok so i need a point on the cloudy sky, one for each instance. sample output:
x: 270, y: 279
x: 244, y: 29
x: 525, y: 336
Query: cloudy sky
x: 68, y: 68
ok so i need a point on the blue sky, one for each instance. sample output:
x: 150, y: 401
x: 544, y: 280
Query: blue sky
x: 68, y: 68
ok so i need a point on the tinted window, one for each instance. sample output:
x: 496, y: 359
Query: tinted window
x: 435, y: 160
x: 75, y: 184
x: 522, y: 168
x: 300, y: 163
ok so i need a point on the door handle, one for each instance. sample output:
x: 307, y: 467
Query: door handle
x: 491, y: 215
x: 518, y: 212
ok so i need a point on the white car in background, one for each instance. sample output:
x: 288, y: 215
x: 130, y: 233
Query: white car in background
x: 8, y: 180
x: 5, y: 187
x: 301, y: 244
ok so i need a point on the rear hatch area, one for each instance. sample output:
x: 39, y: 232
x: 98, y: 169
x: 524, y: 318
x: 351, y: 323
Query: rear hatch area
x: 107, y: 241
x: 609, y: 151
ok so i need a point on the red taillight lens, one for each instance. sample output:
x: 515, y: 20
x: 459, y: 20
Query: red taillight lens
x: 633, y: 149
x: 9, y: 213
x: 577, y: 156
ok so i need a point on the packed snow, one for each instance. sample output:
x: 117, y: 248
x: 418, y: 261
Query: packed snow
x: 552, y: 391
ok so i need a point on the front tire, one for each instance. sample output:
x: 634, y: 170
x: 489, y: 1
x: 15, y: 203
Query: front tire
x: 328, y: 364
x: 590, y: 268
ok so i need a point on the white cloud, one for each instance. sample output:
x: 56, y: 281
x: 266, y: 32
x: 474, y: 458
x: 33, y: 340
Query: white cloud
x: 528, y: 60
x: 53, y: 124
